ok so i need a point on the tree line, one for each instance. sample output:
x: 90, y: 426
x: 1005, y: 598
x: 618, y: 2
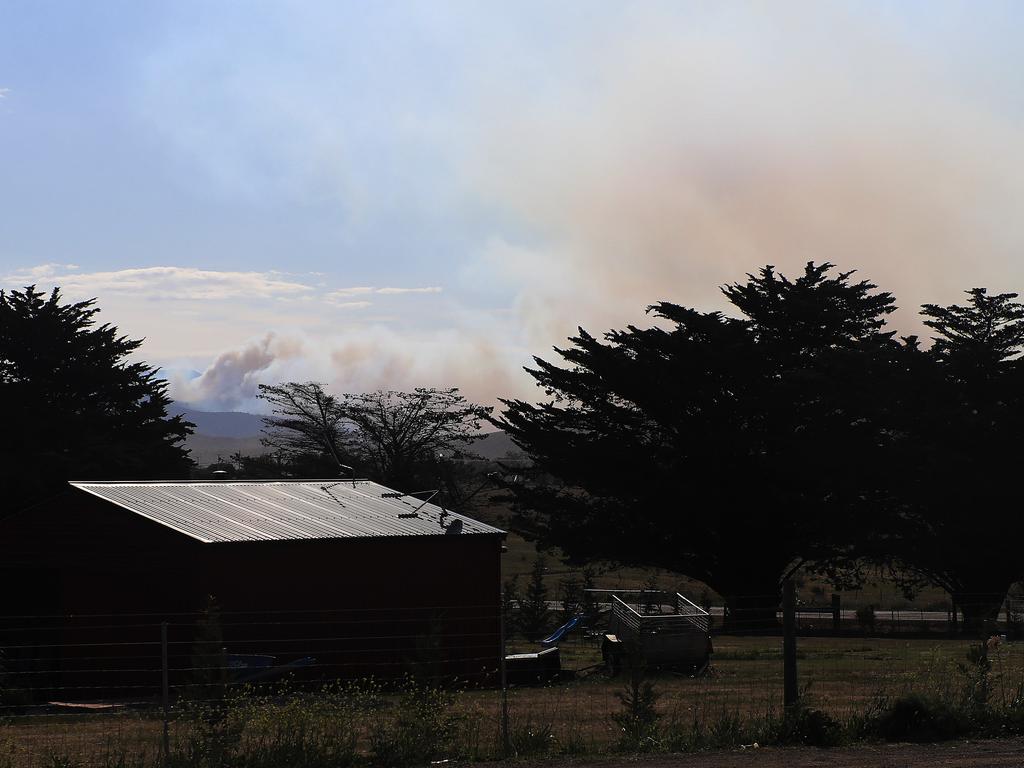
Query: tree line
x: 796, y: 431
x: 405, y: 440
x: 800, y: 432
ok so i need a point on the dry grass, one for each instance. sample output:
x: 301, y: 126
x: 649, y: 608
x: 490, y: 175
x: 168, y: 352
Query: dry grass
x: 842, y: 676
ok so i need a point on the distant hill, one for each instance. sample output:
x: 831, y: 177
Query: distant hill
x: 219, y: 434
x: 219, y: 423
x: 494, y: 445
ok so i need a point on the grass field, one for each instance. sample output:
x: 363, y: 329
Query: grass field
x: 844, y: 677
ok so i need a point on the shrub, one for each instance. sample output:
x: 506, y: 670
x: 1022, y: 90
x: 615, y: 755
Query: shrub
x: 300, y: 730
x: 866, y: 618
x: 534, y: 614
x: 811, y: 727
x: 205, y: 737
x: 978, y: 680
x: 1013, y: 721
x: 919, y: 718
x: 727, y: 731
x: 122, y: 758
x: 638, y: 718
x: 316, y: 731
x: 420, y: 729
x: 528, y: 738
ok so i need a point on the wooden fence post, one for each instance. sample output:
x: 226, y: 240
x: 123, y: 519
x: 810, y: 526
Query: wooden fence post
x: 505, y: 742
x: 837, y: 614
x: 165, y: 694
x: 792, y: 693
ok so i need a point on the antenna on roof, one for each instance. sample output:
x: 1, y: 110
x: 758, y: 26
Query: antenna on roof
x: 415, y: 512
x: 350, y: 469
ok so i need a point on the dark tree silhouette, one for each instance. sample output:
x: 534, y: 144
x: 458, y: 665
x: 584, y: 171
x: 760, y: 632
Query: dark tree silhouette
x: 534, y: 614
x: 306, y: 421
x: 74, y: 406
x: 726, y: 449
x: 964, y: 450
x: 280, y: 465
x: 400, y: 433
x: 399, y: 437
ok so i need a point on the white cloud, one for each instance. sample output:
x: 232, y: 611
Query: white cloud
x: 348, y: 304
x: 40, y: 272
x: 4, y: 92
x: 166, y: 283
x: 241, y: 329
x: 430, y: 289
x: 345, y: 293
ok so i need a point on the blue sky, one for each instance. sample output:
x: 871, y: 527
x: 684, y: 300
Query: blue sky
x: 400, y: 194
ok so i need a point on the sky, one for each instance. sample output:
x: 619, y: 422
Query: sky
x: 401, y: 194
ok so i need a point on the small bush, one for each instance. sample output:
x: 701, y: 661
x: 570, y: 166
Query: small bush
x: 300, y: 732
x: 286, y: 728
x: 1013, y: 722
x: 420, y: 729
x: 811, y: 727
x: 530, y: 739
x: 866, y: 618
x: 122, y: 758
x: 919, y: 718
x: 727, y: 731
x: 638, y: 718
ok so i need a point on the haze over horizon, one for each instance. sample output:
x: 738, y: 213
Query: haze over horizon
x: 426, y: 194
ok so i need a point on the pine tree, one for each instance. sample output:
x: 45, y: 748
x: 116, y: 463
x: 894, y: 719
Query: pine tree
x: 959, y: 486
x: 571, y: 589
x: 510, y: 602
x: 534, y: 614
x: 75, y: 405
x: 725, y: 448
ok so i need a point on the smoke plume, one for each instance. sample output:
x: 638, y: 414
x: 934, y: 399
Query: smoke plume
x: 675, y: 157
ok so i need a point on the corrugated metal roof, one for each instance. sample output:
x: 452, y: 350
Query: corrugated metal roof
x: 229, y: 511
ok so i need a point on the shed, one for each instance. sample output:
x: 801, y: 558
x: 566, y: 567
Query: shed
x: 343, y: 578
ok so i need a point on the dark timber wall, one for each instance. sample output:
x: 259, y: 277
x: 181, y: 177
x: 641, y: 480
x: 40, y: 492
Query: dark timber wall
x: 84, y: 586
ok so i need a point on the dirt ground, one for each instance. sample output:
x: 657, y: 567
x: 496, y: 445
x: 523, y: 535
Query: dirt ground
x: 959, y: 754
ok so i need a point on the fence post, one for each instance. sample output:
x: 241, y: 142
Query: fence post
x: 789, y: 642
x: 165, y: 694
x: 504, y: 682
x: 837, y: 614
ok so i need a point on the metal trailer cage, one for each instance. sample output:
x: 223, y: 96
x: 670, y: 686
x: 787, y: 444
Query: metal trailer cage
x: 656, y: 629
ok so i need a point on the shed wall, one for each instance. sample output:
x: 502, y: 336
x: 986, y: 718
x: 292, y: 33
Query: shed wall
x: 84, y: 586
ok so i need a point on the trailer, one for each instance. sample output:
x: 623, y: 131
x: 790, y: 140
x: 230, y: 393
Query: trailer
x: 656, y: 629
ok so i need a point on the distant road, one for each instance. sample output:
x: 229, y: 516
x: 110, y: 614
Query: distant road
x: 825, y: 615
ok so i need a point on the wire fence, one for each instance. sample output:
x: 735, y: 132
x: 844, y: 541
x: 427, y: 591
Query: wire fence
x: 162, y: 689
